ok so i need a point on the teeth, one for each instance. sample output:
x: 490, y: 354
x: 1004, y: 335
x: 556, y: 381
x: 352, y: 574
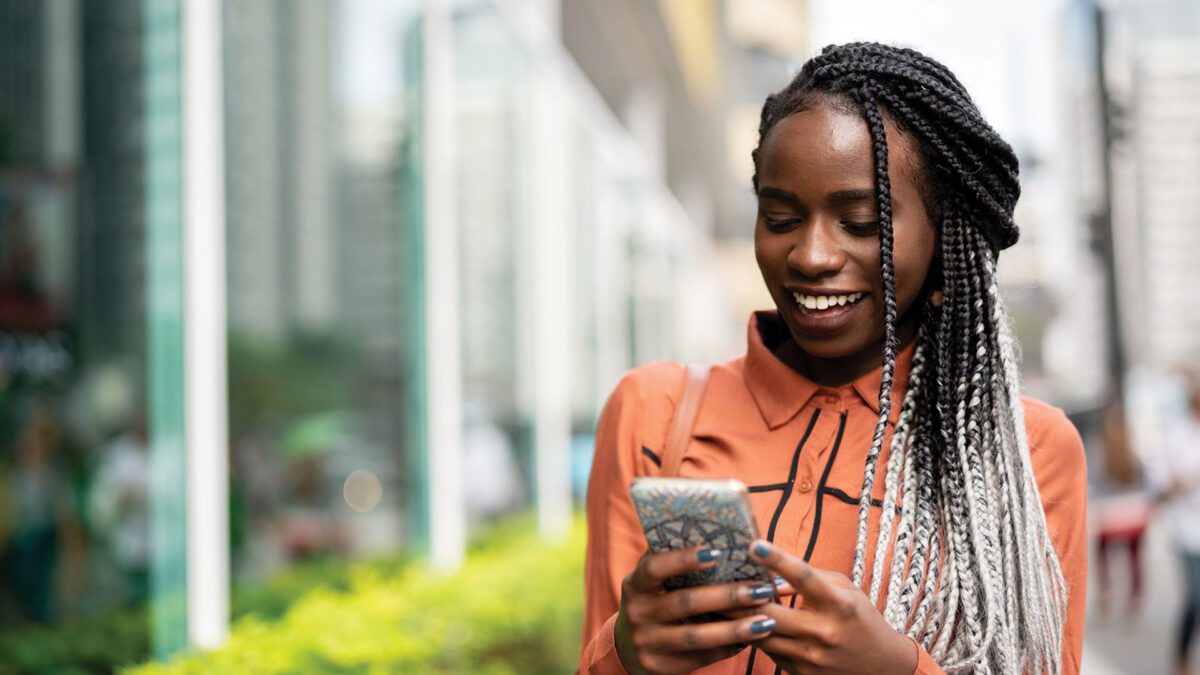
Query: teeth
x: 820, y: 302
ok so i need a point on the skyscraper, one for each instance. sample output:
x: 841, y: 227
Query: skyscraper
x: 1154, y: 77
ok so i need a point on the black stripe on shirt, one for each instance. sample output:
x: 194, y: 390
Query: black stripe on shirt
x: 783, y: 499
x: 812, y: 542
x: 653, y: 457
x: 791, y: 481
x: 834, y: 492
x: 767, y: 488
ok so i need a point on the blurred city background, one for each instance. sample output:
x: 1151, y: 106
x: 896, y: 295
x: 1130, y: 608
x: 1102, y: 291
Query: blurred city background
x: 285, y: 281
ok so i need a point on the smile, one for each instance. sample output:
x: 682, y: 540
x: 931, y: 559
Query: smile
x: 811, y: 304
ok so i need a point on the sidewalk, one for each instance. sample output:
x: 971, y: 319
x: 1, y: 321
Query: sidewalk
x: 1142, y: 644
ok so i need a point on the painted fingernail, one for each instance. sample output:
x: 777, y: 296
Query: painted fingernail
x: 762, y: 626
x: 762, y: 591
x: 761, y: 549
x: 779, y: 581
x: 709, y: 554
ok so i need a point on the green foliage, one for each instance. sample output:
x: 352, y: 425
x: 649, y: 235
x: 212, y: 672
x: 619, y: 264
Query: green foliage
x: 281, y: 383
x: 514, y: 607
x: 96, y: 644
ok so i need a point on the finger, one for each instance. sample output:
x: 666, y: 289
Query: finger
x: 655, y: 568
x: 799, y: 634
x: 688, y: 602
x: 738, y: 612
x: 686, y: 662
x: 712, y: 635
x: 804, y: 578
x: 783, y: 587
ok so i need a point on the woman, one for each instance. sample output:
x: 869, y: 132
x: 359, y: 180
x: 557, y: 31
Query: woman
x: 896, y: 474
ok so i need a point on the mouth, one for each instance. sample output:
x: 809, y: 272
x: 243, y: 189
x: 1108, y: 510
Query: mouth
x: 821, y: 306
x: 824, y: 316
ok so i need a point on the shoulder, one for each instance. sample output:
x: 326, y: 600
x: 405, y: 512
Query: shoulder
x: 650, y: 389
x: 653, y: 376
x: 1047, y: 425
x: 651, y: 382
x: 1055, y: 447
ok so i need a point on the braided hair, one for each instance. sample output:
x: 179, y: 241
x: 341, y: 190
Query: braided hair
x: 973, y: 575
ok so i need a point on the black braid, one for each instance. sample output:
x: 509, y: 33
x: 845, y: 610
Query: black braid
x: 966, y: 150
x: 883, y: 195
x: 998, y: 600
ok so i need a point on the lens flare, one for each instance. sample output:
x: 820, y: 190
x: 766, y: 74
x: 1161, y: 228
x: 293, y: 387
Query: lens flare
x: 362, y: 491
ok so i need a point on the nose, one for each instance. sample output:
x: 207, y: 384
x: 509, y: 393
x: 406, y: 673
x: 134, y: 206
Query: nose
x: 816, y: 251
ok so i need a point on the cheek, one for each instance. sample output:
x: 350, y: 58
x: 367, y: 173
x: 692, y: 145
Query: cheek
x: 766, y: 252
x: 912, y: 266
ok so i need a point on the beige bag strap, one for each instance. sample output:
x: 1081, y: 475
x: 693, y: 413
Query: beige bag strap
x: 680, y: 431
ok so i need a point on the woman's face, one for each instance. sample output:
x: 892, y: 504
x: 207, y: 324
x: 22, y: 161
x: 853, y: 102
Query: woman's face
x: 816, y: 238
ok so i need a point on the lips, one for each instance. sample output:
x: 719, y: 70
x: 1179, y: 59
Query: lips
x: 819, y: 302
x: 822, y: 313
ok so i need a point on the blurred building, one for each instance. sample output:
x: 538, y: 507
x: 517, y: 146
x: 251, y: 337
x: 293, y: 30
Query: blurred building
x: 585, y: 175
x: 111, y: 280
x: 689, y: 79
x: 1153, y: 65
x: 282, y: 252
x: 73, y: 70
x: 73, y: 284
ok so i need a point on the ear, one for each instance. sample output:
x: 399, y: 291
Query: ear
x: 932, y: 288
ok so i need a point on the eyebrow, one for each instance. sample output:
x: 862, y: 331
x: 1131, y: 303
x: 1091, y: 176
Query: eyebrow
x: 779, y: 194
x: 845, y: 196
x: 836, y: 197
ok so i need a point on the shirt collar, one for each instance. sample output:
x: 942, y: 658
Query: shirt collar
x: 780, y: 392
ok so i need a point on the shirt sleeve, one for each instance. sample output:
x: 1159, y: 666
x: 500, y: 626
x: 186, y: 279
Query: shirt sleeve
x: 1057, y: 456
x: 925, y: 663
x: 615, y: 539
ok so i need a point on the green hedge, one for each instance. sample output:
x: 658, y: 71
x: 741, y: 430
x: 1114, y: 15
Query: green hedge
x: 514, y: 607
x: 97, y: 644
x: 121, y: 637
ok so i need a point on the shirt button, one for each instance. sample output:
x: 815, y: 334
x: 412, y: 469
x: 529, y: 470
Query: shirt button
x: 831, y: 400
x: 805, y: 485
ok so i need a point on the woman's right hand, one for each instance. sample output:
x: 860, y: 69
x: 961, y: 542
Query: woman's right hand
x: 650, y: 635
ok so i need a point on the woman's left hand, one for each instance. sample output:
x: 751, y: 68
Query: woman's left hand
x: 834, y: 628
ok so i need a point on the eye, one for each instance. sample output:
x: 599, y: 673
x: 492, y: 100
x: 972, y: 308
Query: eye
x: 779, y: 222
x: 861, y: 229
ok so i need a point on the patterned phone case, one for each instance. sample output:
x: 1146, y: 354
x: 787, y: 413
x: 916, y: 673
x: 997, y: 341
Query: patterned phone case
x: 683, y: 512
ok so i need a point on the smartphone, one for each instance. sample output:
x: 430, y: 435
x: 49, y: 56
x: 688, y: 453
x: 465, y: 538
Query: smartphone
x: 684, y: 512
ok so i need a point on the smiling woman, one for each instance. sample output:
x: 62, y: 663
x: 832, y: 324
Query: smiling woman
x: 816, y: 240
x: 884, y: 199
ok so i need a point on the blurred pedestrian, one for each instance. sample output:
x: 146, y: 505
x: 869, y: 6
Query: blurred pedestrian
x: 1176, y: 475
x: 493, y: 486
x: 118, y: 503
x: 922, y: 516
x: 1122, y: 507
x: 38, y: 500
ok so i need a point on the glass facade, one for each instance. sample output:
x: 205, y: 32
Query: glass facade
x: 88, y: 159
x: 314, y: 301
x: 570, y: 261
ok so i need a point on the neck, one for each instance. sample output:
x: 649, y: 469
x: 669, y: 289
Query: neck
x: 835, y: 372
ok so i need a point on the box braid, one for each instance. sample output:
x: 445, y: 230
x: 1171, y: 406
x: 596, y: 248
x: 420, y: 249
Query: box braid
x: 973, y: 574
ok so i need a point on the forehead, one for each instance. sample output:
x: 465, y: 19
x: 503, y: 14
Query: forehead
x: 833, y: 146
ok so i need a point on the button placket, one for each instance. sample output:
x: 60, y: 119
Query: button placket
x: 804, y: 487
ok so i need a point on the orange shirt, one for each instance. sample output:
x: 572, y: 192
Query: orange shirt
x: 800, y: 448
